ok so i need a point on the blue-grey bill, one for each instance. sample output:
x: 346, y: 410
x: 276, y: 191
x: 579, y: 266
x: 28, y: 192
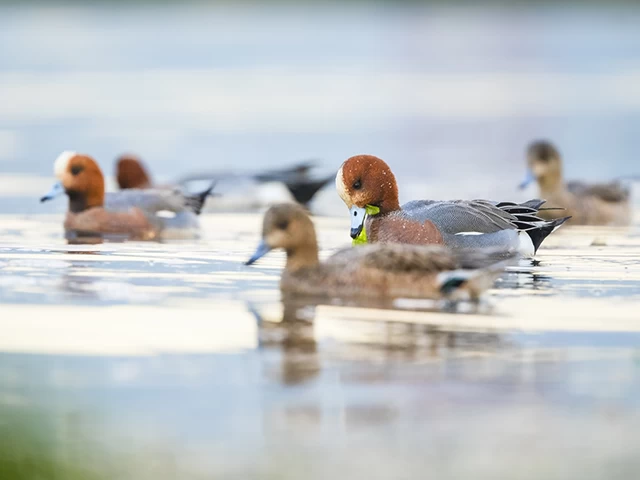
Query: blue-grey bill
x: 261, y: 251
x: 56, y: 190
x: 358, y: 216
x: 527, y: 180
x: 355, y: 232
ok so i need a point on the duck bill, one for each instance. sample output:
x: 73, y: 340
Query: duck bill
x: 528, y: 179
x: 358, y: 216
x: 56, y: 190
x: 261, y: 251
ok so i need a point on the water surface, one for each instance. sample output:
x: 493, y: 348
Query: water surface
x: 175, y: 361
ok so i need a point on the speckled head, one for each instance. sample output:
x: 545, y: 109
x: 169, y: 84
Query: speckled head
x: 130, y: 173
x: 367, y: 180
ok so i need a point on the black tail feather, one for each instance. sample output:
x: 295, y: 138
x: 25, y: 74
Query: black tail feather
x: 196, y: 201
x: 303, y: 192
x: 533, y: 204
x: 528, y: 218
x: 539, y: 233
x: 518, y: 210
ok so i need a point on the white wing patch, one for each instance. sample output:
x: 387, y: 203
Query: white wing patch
x: 469, y: 233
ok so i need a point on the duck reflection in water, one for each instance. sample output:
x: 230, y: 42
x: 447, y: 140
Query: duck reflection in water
x: 293, y: 335
x: 302, y: 355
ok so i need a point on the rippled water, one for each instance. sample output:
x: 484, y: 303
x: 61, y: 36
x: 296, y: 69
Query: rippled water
x: 174, y: 360
x: 177, y: 361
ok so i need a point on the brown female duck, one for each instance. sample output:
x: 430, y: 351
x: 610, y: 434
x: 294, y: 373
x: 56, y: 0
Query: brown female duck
x: 376, y: 270
x: 596, y: 204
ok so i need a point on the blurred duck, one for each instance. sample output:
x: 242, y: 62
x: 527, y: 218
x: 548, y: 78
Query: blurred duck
x: 369, y: 189
x: 301, y: 185
x: 298, y: 180
x: 597, y: 204
x: 131, y: 173
x: 133, y: 214
x: 380, y: 271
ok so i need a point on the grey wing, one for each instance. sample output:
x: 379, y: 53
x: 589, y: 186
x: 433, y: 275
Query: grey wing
x: 609, y: 192
x: 457, y: 216
x: 151, y: 200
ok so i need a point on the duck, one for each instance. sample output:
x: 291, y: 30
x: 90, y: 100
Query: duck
x: 367, y: 186
x: 588, y: 204
x: 298, y: 180
x: 299, y: 183
x: 375, y: 270
x: 131, y: 214
x: 131, y: 173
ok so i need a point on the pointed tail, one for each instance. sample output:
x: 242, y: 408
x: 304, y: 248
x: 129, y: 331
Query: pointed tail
x: 539, y: 232
x: 196, y: 201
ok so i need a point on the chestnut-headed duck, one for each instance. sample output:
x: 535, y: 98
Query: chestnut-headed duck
x: 377, y: 270
x: 131, y: 173
x: 133, y: 214
x: 369, y: 189
x: 597, y: 204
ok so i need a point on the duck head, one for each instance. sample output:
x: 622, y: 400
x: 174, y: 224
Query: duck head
x: 130, y: 173
x: 367, y: 187
x: 544, y: 165
x: 289, y: 227
x: 80, y: 178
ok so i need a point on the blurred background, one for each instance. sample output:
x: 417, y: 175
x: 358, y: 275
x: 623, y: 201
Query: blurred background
x: 449, y: 93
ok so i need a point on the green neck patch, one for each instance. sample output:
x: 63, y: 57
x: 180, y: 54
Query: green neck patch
x: 362, y: 238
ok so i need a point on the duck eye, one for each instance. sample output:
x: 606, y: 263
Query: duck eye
x: 282, y: 225
x: 357, y: 185
x: 76, y: 169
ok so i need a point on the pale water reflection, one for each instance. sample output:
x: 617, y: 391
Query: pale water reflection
x: 146, y: 360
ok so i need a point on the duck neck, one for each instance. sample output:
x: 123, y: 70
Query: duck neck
x: 388, y: 204
x: 303, y: 256
x: 79, y: 202
x: 388, y: 201
x: 372, y: 224
x: 551, y: 183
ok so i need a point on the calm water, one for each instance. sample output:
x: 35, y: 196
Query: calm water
x: 177, y: 361
x: 174, y: 360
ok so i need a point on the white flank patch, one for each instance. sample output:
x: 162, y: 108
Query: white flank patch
x: 61, y: 163
x: 342, y: 188
x: 469, y: 233
x: 525, y: 246
x: 165, y: 214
